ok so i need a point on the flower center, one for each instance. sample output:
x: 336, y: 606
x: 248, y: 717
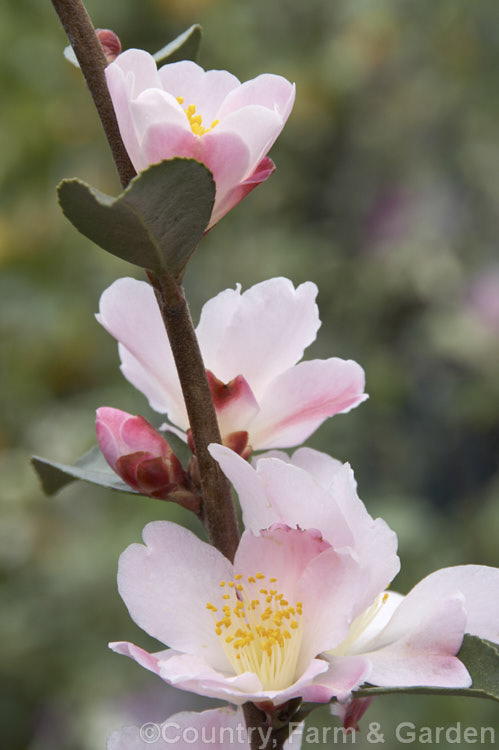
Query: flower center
x: 196, y: 120
x: 259, y: 629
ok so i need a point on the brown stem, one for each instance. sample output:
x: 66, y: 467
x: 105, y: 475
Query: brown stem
x: 218, y: 507
x: 92, y: 60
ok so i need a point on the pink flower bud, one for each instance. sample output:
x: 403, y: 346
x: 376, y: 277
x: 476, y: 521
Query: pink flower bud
x: 140, y: 455
x: 110, y: 43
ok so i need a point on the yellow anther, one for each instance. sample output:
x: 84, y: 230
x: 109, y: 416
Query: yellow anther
x: 229, y: 639
x: 238, y: 577
x: 218, y: 631
x: 273, y: 580
x: 211, y: 607
x: 222, y: 583
x: 180, y: 99
x: 226, y: 596
x: 231, y: 584
x: 251, y: 579
x: 293, y: 624
x: 259, y: 576
x: 191, y: 109
x: 239, y: 587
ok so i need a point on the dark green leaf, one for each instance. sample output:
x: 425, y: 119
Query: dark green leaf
x: 156, y: 223
x: 184, y: 47
x: 92, y: 467
x: 481, y: 659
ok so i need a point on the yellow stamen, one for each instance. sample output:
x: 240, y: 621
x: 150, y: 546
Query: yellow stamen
x: 195, y: 120
x: 261, y: 632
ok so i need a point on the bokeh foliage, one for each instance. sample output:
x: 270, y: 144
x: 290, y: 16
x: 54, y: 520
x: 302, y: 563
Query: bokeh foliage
x: 385, y: 194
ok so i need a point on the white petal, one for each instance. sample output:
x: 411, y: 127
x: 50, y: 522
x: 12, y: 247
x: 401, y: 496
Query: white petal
x: 130, y: 313
x: 260, y: 333
x: 167, y: 584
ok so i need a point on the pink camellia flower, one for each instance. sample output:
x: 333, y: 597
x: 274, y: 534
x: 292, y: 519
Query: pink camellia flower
x: 397, y: 641
x: 250, y: 344
x: 218, y: 728
x: 142, y: 457
x: 181, y: 110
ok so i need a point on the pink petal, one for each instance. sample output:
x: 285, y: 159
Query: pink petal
x: 267, y: 90
x: 163, y: 596
x: 212, y: 727
x: 258, y: 127
x: 344, y: 675
x: 191, y: 673
x: 156, y: 107
x: 206, y: 90
x: 167, y: 141
x: 234, y: 402
x: 139, y: 69
x: 478, y: 583
x: 227, y: 157
x: 279, y: 552
x: 302, y: 397
x: 236, y: 194
x: 320, y: 465
x: 328, y: 589
x: 425, y: 653
x: 129, y: 312
x: 260, y: 333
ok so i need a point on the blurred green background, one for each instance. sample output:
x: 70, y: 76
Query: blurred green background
x: 385, y: 194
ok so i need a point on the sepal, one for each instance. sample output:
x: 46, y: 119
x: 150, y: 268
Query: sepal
x: 184, y: 47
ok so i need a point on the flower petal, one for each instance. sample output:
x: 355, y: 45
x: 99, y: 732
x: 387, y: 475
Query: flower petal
x: 260, y: 333
x: 345, y: 673
x: 478, y: 583
x: 167, y: 584
x: 258, y: 127
x: 236, y: 194
x: 301, y: 398
x: 267, y: 90
x: 211, y: 727
x: 425, y: 652
x: 328, y: 589
x: 206, y: 90
x: 129, y: 312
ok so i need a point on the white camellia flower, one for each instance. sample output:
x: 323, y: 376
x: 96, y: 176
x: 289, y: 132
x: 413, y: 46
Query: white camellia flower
x: 401, y: 641
x: 251, y: 344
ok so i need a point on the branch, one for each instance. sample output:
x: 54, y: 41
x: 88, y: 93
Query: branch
x: 218, y: 507
x: 92, y: 60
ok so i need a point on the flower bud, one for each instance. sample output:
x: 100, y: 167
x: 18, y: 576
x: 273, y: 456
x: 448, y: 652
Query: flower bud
x: 110, y: 43
x: 142, y: 457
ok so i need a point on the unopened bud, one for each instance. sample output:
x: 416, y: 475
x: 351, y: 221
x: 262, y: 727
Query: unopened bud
x: 142, y: 457
x: 110, y: 43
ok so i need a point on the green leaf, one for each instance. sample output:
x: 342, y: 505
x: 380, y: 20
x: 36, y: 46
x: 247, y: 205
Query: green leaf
x: 184, y: 47
x: 92, y: 467
x: 480, y: 657
x: 156, y: 223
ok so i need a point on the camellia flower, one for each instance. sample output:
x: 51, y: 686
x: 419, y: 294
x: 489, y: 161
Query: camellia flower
x: 142, y: 457
x: 181, y: 110
x: 398, y: 641
x: 253, y: 631
x: 218, y: 728
x: 250, y: 344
